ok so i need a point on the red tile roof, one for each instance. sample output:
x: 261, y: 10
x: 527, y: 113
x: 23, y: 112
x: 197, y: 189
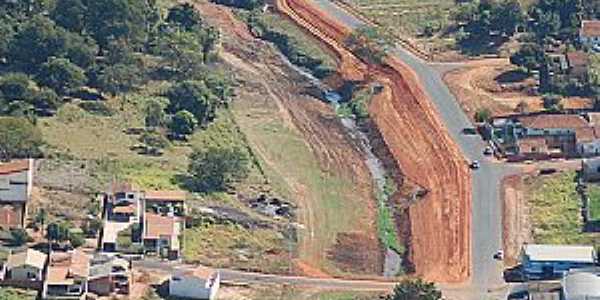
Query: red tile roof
x: 577, y: 59
x: 164, y: 195
x: 14, y: 166
x: 590, y: 28
x: 553, y: 121
x: 157, y: 225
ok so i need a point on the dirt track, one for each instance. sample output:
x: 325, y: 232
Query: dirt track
x: 425, y: 153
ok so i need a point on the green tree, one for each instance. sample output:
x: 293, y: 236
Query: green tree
x: 118, y: 19
x: 61, y: 75
x: 81, y: 50
x: 182, y: 51
x: 195, y: 97
x: 20, y: 237
x: 530, y: 56
x: 76, y: 240
x: 19, y: 139
x: 183, y: 123
x: 70, y: 14
x: 36, y: 41
x: 7, y: 32
x: 58, y: 232
x: 154, y: 112
x: 185, y: 16
x: 483, y: 115
x: 214, y: 168
x: 16, y: 86
x: 46, y: 101
x: 415, y: 290
x: 118, y: 78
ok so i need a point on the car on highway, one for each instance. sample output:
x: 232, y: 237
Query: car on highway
x: 474, y: 165
x: 488, y: 151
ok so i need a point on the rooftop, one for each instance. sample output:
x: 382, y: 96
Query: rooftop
x: 590, y: 28
x: 543, y: 121
x: 157, y: 226
x: 581, y: 285
x: 64, y: 266
x: 15, y: 166
x: 583, y: 254
x: 30, y: 257
x: 164, y: 195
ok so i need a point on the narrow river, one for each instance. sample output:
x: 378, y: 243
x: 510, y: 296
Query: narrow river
x: 393, y: 261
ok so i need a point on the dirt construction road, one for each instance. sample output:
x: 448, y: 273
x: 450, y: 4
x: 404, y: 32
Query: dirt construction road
x: 421, y: 146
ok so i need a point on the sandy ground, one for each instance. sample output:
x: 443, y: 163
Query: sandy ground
x: 516, y: 226
x: 421, y: 147
x: 476, y: 84
x: 270, y: 86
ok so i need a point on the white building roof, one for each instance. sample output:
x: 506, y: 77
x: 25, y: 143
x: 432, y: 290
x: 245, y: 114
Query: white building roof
x: 581, y: 285
x: 582, y: 254
x: 30, y: 257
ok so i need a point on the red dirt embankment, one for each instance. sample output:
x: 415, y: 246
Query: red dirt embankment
x: 421, y: 146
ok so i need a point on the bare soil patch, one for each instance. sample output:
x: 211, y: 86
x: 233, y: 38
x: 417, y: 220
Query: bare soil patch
x: 516, y: 226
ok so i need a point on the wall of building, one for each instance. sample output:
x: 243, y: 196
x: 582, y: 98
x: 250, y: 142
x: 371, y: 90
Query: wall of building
x: 101, y: 286
x: 22, y: 272
x: 189, y: 287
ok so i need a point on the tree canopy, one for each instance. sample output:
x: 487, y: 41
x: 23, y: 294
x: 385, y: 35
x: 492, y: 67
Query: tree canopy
x: 214, y: 168
x: 19, y: 138
x: 415, y: 290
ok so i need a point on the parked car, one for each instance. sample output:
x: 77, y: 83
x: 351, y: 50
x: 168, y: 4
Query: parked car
x: 474, y: 165
x: 499, y: 255
x: 469, y: 131
x: 488, y: 151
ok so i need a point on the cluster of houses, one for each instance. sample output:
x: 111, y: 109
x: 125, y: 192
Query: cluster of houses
x: 542, y: 136
x: 575, y: 266
x: 135, y: 223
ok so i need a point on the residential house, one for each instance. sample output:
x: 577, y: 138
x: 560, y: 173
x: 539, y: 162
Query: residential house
x: 552, y: 261
x: 161, y: 235
x: 590, y: 169
x: 109, y: 274
x: 581, y: 284
x: 202, y: 283
x: 578, y: 62
x: 66, y: 276
x: 16, y: 182
x: 26, y: 265
x: 589, y: 34
x: 122, y: 203
x: 171, y: 203
x: 543, y: 136
x: 122, y: 208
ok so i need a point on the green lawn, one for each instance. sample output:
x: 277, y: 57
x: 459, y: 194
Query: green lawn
x: 594, y: 204
x: 556, y: 210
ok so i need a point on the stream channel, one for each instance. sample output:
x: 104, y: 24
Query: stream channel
x: 393, y: 261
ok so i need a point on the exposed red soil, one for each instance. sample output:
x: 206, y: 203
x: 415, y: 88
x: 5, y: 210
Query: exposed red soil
x: 422, y: 148
x: 269, y: 83
x: 355, y: 252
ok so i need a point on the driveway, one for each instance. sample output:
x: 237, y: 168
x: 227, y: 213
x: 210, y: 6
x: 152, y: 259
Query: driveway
x: 487, y: 205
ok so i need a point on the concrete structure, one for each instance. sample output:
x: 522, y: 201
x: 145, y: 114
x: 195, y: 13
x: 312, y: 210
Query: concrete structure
x: 202, y: 283
x: 26, y: 265
x: 161, y: 235
x: 109, y: 274
x: 16, y: 182
x: 171, y: 203
x: 590, y: 169
x: 581, y: 284
x: 589, y: 34
x: 66, y: 276
x: 552, y: 261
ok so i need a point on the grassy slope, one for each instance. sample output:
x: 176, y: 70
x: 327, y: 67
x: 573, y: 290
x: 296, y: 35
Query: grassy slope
x: 289, y: 159
x: 555, y: 211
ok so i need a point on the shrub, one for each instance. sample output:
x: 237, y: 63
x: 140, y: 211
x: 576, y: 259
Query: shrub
x: 483, y: 115
x: 213, y: 168
x: 19, y: 138
x: 183, y: 123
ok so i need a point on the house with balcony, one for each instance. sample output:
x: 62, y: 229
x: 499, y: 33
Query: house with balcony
x: 26, y: 265
x: 109, y: 275
x: 66, y: 276
x: 161, y: 235
x: 589, y: 34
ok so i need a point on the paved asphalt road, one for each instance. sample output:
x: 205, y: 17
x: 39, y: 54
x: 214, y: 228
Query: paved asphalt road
x: 487, y: 207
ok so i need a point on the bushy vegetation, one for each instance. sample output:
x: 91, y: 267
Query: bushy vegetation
x: 369, y: 43
x: 415, y: 289
x: 19, y: 138
x: 284, y: 36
